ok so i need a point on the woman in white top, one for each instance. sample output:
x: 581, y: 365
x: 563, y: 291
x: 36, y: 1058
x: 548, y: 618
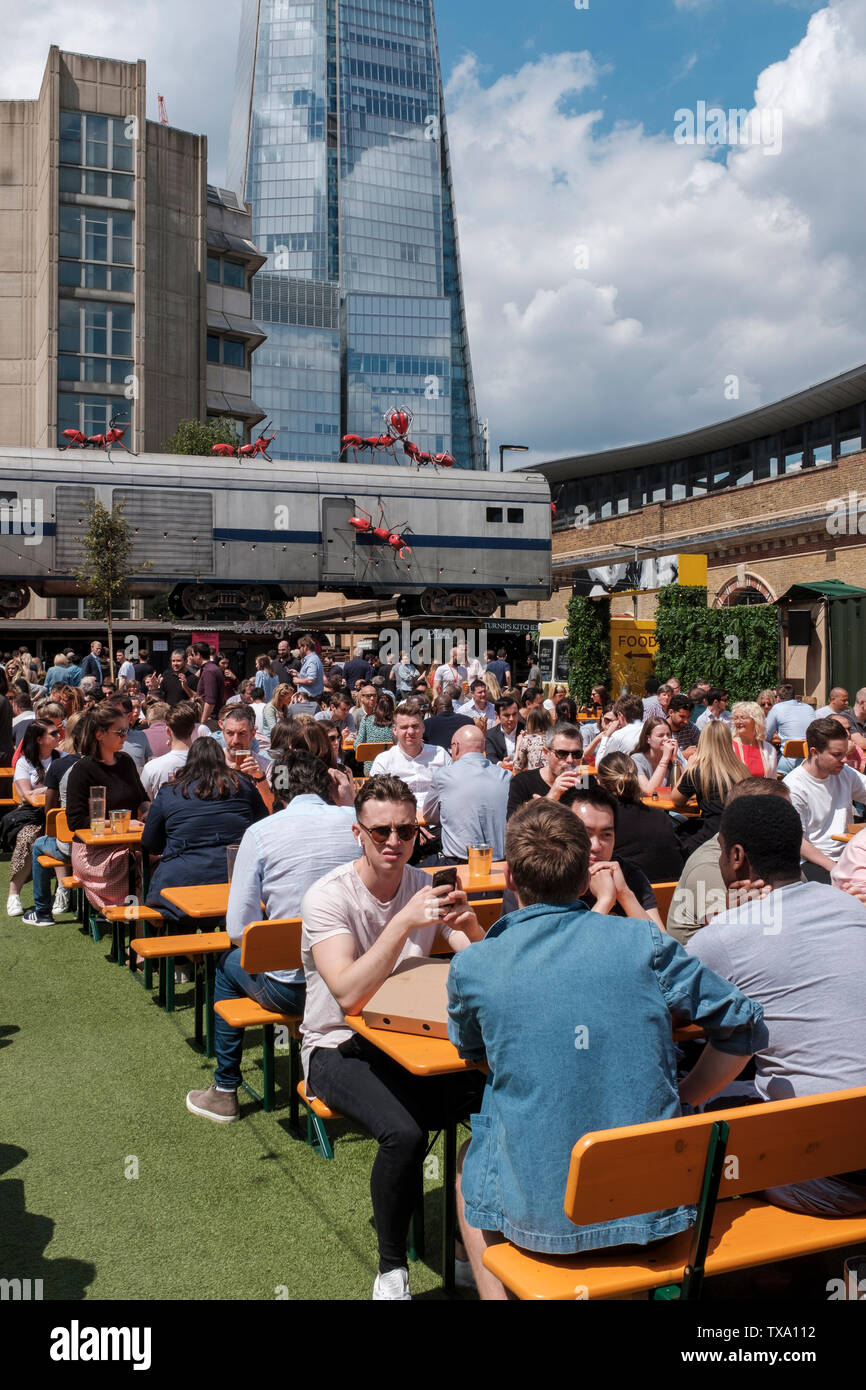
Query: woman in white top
x: 655, y: 756
x: 557, y: 693
x: 38, y: 751
x: 749, y: 730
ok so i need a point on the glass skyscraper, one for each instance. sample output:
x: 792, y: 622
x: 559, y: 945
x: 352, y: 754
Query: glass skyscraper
x: 338, y: 141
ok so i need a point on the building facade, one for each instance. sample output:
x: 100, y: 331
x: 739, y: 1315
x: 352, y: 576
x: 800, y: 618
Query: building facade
x: 338, y: 141
x: 776, y: 500
x: 125, y: 282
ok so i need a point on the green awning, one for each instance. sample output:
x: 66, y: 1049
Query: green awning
x: 825, y: 588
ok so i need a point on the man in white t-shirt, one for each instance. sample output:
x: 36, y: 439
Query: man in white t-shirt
x: 125, y: 670
x: 359, y: 922
x: 180, y: 723
x: 624, y: 739
x: 823, y: 791
x: 837, y: 704
x: 411, y: 759
x: 451, y: 673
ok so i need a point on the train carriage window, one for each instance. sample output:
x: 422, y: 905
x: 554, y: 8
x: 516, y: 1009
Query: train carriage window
x: 515, y: 515
x: 494, y: 513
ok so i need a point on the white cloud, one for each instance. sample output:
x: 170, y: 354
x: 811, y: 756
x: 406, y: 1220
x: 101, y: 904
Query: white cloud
x: 189, y: 47
x: 699, y: 269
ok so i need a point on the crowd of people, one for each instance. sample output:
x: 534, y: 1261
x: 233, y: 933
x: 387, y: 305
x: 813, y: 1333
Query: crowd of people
x: 592, y: 809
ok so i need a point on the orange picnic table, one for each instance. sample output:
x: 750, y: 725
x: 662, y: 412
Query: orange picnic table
x: 485, y: 883
x: 199, y: 900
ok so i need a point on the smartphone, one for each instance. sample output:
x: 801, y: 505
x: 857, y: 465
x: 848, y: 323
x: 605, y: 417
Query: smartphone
x: 443, y: 877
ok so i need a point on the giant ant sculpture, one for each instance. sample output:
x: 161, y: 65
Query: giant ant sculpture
x: 259, y: 447
x: 398, y: 423
x: 381, y: 534
x: 114, y: 435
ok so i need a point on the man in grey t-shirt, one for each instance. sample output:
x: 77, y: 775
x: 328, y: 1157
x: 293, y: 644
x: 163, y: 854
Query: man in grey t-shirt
x: 799, y: 949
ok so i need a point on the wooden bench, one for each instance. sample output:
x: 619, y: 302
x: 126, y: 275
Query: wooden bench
x: 664, y: 896
x: 795, y: 748
x: 366, y: 752
x: 269, y: 945
x: 200, y: 947
x: 717, y: 1162
x: 125, y: 917
x: 317, y: 1113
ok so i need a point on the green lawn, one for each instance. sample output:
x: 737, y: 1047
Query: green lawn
x: 93, y: 1077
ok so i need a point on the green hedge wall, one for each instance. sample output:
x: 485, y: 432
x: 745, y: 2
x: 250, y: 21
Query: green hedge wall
x: 735, y: 648
x: 588, y: 645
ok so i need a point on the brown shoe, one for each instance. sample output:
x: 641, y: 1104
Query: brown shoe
x: 221, y: 1106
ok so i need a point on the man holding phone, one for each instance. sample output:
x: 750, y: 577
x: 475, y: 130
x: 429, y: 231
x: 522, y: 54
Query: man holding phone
x: 359, y: 922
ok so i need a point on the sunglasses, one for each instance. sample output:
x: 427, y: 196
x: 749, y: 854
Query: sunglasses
x: 565, y: 754
x: 380, y: 834
x: 54, y: 733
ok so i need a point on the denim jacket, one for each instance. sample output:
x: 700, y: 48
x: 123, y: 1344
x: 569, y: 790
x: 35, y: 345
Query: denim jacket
x: 574, y: 1011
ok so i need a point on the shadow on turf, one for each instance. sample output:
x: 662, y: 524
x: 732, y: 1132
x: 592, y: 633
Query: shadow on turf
x: 25, y: 1237
x: 5, y: 1030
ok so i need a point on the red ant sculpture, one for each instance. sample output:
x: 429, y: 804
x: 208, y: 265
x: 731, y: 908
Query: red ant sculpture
x: 259, y: 447
x: 371, y: 442
x: 383, y: 535
x: 113, y: 436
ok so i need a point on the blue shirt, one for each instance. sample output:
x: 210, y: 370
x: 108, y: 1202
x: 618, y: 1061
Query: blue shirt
x: 266, y: 683
x: 469, y: 799
x: 789, y: 719
x: 312, y: 666
x: 584, y: 1043
x: 283, y: 856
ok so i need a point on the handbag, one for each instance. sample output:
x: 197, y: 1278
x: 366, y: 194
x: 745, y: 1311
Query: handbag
x: 15, y: 820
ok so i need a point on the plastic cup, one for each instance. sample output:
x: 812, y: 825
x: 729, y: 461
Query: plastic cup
x: 480, y: 859
x: 116, y: 819
x: 97, y: 825
x: 231, y: 856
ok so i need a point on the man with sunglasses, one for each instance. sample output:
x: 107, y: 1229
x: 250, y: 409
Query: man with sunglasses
x: 562, y: 773
x: 359, y: 922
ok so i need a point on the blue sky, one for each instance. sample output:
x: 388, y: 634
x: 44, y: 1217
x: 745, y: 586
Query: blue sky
x: 660, y: 56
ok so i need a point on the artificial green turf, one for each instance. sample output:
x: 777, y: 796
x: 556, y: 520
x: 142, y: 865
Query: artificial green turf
x: 93, y: 1075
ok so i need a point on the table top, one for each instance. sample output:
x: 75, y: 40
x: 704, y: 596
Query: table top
x: 421, y: 1056
x: 200, y: 900
x: 664, y: 803
x: 478, y: 884
x: 129, y: 838
x: 843, y: 839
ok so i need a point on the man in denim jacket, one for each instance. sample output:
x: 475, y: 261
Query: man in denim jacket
x: 585, y: 1044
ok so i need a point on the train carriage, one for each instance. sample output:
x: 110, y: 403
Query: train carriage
x: 452, y: 544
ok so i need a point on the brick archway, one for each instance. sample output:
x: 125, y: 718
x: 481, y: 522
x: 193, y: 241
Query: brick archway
x: 749, y: 583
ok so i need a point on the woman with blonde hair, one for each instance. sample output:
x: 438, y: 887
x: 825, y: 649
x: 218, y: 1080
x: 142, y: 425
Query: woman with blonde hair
x: 494, y: 689
x: 766, y: 699
x: 557, y: 693
x: 70, y: 697
x: 711, y: 773
x: 749, y: 730
x: 530, y: 750
x: 277, y: 707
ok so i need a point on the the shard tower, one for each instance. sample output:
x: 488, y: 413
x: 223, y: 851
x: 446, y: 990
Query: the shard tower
x: 338, y: 141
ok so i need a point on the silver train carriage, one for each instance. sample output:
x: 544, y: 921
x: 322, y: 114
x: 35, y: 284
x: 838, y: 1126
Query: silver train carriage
x: 238, y: 535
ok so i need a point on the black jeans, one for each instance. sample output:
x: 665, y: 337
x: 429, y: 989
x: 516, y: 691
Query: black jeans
x: 398, y: 1109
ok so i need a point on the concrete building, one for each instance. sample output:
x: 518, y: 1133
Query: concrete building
x: 125, y: 281
x: 776, y: 500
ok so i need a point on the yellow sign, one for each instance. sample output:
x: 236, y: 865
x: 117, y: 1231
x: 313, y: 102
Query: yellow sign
x: 692, y: 570
x: 633, y: 646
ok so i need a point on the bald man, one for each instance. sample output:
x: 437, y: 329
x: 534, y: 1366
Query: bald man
x: 468, y: 799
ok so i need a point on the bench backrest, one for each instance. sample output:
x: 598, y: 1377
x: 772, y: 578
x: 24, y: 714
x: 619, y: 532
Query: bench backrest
x: 487, y: 910
x: 795, y: 748
x: 366, y: 752
x: 664, y: 894
x: 274, y: 945
x: 51, y: 822
x: 61, y: 828
x: 651, y: 1167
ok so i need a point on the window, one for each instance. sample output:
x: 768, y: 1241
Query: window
x: 234, y: 354
x: 90, y: 414
x: 98, y: 142
x: 234, y: 274
x: 213, y: 348
x: 95, y: 234
x: 515, y: 515
x: 213, y: 269
x: 850, y: 446
x: 494, y: 514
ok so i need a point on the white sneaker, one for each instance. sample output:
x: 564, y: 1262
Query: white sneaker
x: 14, y: 906
x: 393, y: 1286
x: 61, y: 901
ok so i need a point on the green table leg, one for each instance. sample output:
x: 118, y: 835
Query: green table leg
x: 209, y: 977
x: 449, y: 1205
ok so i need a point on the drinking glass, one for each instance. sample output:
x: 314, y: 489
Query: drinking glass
x: 96, y: 810
x: 480, y: 860
x: 231, y: 856
x: 97, y: 825
x: 117, y: 818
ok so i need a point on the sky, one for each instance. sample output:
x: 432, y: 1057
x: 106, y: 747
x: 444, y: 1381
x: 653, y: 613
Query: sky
x: 623, y: 281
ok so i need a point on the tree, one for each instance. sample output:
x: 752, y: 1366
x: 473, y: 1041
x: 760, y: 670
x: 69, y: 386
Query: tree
x: 588, y: 645
x: 199, y: 436
x: 106, y: 565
